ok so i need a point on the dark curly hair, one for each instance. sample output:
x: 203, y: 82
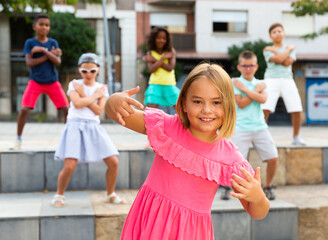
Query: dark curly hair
x: 151, y: 45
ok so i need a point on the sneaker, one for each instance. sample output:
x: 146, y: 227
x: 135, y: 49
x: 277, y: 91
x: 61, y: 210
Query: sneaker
x: 268, y: 193
x: 17, y: 145
x: 298, y: 141
x: 225, y: 193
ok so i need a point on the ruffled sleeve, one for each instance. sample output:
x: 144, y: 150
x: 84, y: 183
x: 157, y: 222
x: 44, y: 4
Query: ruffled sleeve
x: 219, y: 169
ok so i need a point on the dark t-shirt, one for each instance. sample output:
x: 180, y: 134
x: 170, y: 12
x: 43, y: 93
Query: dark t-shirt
x: 44, y: 73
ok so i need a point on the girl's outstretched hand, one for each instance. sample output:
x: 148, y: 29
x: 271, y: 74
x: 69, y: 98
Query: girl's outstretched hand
x: 119, y: 105
x: 248, y: 189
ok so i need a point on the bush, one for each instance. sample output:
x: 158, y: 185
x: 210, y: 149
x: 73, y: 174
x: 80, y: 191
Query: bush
x: 75, y: 36
x: 256, y: 47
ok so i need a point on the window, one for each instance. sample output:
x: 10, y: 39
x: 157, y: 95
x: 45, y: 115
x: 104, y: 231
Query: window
x: 175, y: 22
x: 297, y: 26
x: 229, y: 21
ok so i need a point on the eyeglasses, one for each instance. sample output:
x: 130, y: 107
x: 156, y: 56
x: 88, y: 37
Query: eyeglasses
x: 248, y: 66
x: 85, y: 71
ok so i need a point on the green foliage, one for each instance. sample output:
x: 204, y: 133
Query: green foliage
x: 12, y: 7
x: 75, y: 36
x: 256, y: 47
x: 311, y: 7
x: 18, y: 6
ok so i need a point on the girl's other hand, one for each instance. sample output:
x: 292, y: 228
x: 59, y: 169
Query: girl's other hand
x: 119, y: 105
x: 259, y: 87
x: 238, y: 84
x: 100, y: 92
x: 78, y: 88
x: 56, y: 51
x: 248, y: 189
x: 290, y: 47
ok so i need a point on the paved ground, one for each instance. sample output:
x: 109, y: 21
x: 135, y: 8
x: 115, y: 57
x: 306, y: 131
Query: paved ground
x: 45, y: 136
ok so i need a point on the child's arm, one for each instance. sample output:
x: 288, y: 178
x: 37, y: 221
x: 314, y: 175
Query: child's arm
x: 169, y: 66
x: 257, y: 94
x: 57, y: 51
x: 250, y: 194
x: 80, y: 102
x: 153, y: 66
x: 30, y: 61
x: 53, y: 57
x: 279, y: 57
x: 119, y: 108
x: 149, y: 58
x: 288, y: 61
x: 96, y: 108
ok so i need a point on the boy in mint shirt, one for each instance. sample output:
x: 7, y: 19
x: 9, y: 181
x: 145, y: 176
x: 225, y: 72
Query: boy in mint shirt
x: 279, y: 80
x: 251, y: 127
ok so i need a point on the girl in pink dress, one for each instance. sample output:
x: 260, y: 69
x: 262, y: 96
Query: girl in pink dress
x: 192, y: 159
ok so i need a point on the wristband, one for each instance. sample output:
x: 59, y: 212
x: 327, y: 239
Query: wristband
x: 45, y: 50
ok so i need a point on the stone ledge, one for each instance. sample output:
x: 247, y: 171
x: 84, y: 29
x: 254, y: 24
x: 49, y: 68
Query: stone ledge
x: 22, y: 171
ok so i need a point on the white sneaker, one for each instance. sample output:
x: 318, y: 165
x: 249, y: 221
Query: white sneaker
x: 298, y: 141
x: 17, y: 145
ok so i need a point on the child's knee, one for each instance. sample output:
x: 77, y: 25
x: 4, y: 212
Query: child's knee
x: 112, y: 162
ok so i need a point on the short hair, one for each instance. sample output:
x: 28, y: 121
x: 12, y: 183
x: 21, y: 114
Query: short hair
x: 274, y: 25
x: 222, y: 82
x: 39, y: 16
x: 151, y: 45
x: 246, y: 55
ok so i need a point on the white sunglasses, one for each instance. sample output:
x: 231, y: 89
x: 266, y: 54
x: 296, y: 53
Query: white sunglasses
x: 85, y: 71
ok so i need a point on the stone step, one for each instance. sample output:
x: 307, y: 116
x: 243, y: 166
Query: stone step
x: 31, y: 216
x: 30, y: 171
x: 87, y: 216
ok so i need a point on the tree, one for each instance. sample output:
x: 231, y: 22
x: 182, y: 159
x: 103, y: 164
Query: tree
x: 18, y: 6
x: 311, y: 7
x: 75, y: 36
x: 256, y: 47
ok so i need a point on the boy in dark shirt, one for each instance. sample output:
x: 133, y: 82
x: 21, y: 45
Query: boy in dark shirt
x: 42, y: 55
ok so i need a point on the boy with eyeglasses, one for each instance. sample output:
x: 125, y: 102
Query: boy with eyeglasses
x: 251, y: 127
x: 42, y: 55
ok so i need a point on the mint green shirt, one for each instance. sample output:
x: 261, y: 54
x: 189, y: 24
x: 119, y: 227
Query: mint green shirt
x: 275, y: 70
x: 250, y: 118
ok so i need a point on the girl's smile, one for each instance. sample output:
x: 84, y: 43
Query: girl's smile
x: 204, y: 109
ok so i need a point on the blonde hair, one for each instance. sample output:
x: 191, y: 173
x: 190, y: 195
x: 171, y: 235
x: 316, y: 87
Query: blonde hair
x: 222, y: 82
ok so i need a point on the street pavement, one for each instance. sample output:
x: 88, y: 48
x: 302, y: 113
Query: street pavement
x: 45, y: 136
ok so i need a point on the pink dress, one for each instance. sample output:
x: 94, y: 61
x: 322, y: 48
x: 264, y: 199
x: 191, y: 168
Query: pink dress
x: 175, y: 200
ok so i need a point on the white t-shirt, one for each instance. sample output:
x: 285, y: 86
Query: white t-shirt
x: 85, y: 112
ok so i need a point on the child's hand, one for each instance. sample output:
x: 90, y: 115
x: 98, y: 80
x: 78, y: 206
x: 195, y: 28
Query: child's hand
x: 78, y: 88
x: 100, y: 92
x: 259, y: 87
x: 57, y: 51
x: 249, y: 189
x: 290, y: 47
x: 119, y: 105
x: 238, y: 84
x: 149, y: 58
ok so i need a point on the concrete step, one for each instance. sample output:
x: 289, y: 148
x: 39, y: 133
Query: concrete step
x: 31, y: 216
x: 30, y: 171
x: 294, y: 215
